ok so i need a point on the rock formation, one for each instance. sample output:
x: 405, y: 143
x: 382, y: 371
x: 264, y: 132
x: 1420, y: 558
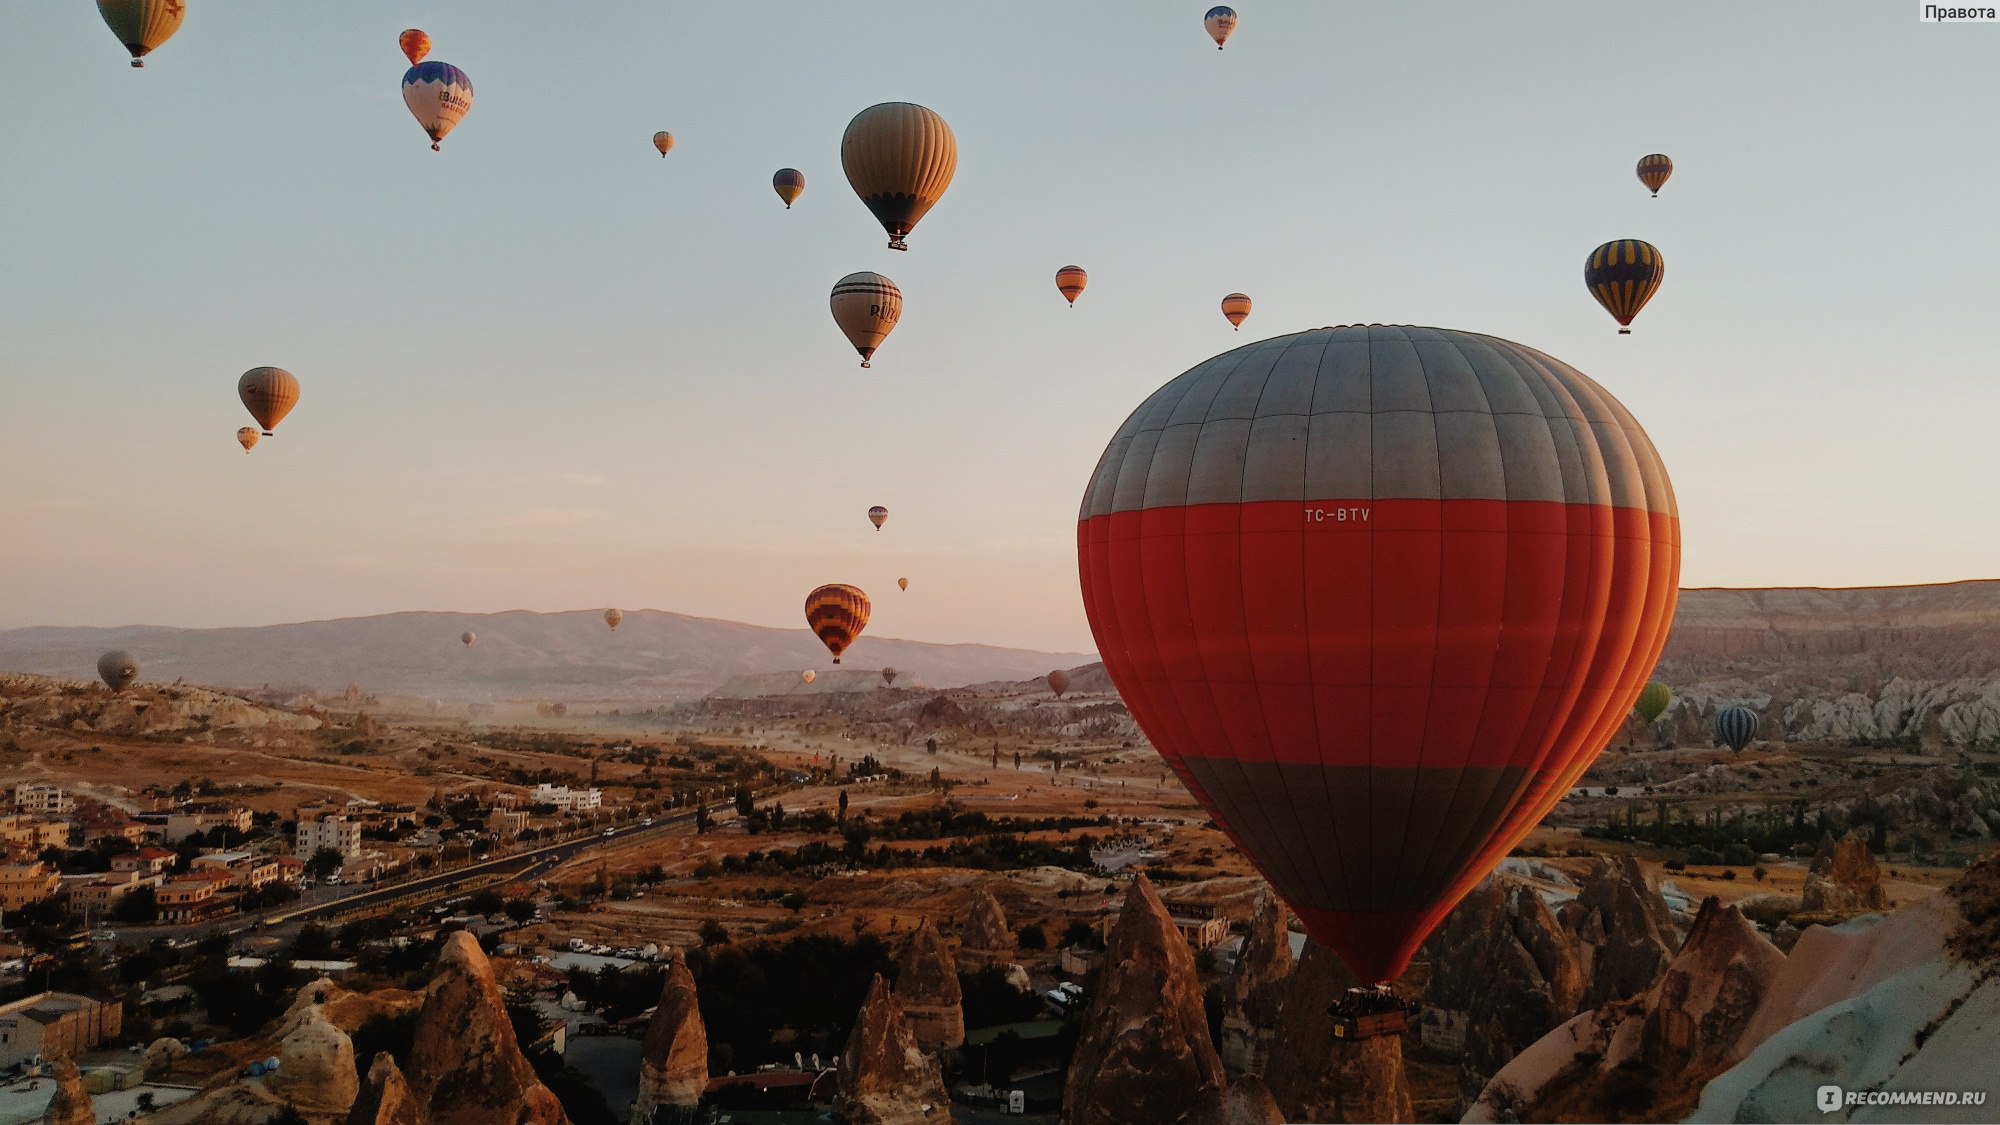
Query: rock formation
x: 160, y: 1056
x: 466, y: 1068
x: 1845, y: 879
x: 385, y: 1099
x: 1317, y: 1077
x: 927, y: 988
x: 1256, y: 989
x: 987, y: 940
x: 1245, y: 1101
x: 885, y: 1078
x: 1621, y: 918
x: 673, y: 1064
x: 71, y: 1104
x: 316, y: 1066
x: 1144, y: 1054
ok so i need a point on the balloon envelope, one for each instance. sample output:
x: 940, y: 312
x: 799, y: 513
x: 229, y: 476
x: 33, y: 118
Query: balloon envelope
x: 439, y: 96
x: 889, y: 675
x: 1058, y: 682
x: 902, y: 583
x: 866, y: 306
x: 1623, y: 275
x: 142, y: 25
x: 468, y: 637
x: 1654, y: 170
x: 837, y: 613
x: 269, y: 393
x: 808, y: 675
x: 612, y: 617
x: 1236, y: 309
x: 247, y: 438
x: 878, y: 515
x: 1221, y: 24
x: 899, y: 158
x: 664, y: 141
x: 789, y: 183
x: 415, y: 45
x: 1070, y: 281
x: 117, y: 670
x: 1653, y: 700
x: 1317, y: 567
x: 1736, y: 726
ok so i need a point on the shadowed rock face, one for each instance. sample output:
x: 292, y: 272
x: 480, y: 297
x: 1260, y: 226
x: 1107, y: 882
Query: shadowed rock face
x: 987, y: 937
x: 885, y: 1078
x: 1244, y: 1102
x: 927, y: 987
x: 385, y: 1098
x: 1317, y: 1077
x: 1619, y: 914
x: 1847, y: 879
x: 1145, y: 1054
x: 1706, y: 997
x: 673, y: 1064
x: 1256, y: 991
x: 466, y: 1068
x: 71, y: 1105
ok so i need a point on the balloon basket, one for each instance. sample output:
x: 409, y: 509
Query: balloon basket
x: 1366, y: 1013
x: 138, y: 64
x: 894, y: 243
x: 1624, y: 331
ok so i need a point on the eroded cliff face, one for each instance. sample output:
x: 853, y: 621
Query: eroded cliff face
x: 466, y: 1068
x: 71, y: 1104
x: 1256, y: 989
x: 673, y: 1061
x: 1316, y: 1076
x: 885, y: 1078
x: 1845, y: 879
x: 385, y: 1099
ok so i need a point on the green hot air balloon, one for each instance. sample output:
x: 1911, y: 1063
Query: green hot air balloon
x: 1653, y: 701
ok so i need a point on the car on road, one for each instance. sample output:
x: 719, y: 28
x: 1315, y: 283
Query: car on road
x: 611, y: 832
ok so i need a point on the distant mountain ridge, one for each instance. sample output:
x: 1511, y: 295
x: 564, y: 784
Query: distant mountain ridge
x: 653, y: 655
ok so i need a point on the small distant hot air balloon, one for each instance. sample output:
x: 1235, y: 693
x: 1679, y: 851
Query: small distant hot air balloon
x: 468, y: 637
x: 1653, y: 700
x: 878, y: 515
x: 838, y: 613
x: 612, y: 617
x: 1623, y: 275
x: 789, y: 183
x: 269, y: 393
x: 1236, y: 309
x: 902, y: 583
x: 439, y: 96
x: 1070, y: 281
x: 664, y: 141
x: 1736, y: 726
x: 809, y: 675
x: 142, y: 25
x: 1221, y: 23
x: 247, y: 438
x: 889, y: 676
x: 866, y: 306
x: 415, y: 45
x: 1058, y: 682
x: 1654, y: 170
x: 117, y: 670
x: 899, y: 158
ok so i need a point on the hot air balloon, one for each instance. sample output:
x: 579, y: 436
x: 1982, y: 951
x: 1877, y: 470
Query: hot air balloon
x: 612, y: 617
x: 889, y: 676
x: 808, y: 675
x: 1221, y: 23
x: 1654, y: 170
x: 789, y: 183
x: 1058, y: 682
x: 142, y: 25
x: 1378, y: 595
x: 837, y: 613
x: 415, y: 45
x: 247, y: 438
x: 1736, y: 726
x: 269, y: 393
x: 902, y: 583
x: 1070, y: 281
x: 1623, y: 276
x: 439, y: 96
x: 664, y: 141
x: 866, y: 306
x: 878, y: 515
x: 468, y: 637
x: 117, y: 670
x: 1653, y: 700
x: 1236, y: 310
x: 899, y: 158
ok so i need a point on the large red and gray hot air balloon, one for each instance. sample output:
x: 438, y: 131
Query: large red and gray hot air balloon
x: 1379, y: 595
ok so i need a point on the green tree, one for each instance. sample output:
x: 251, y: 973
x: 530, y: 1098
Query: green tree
x: 843, y: 805
x: 1032, y: 936
x: 713, y: 934
x: 138, y: 906
x: 324, y: 862
x: 314, y: 943
x: 746, y: 802
x: 520, y: 910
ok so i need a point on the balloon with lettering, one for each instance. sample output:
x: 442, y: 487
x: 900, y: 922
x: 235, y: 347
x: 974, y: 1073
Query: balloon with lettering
x: 269, y: 393
x: 1653, y: 700
x: 1378, y: 595
x: 789, y: 183
x: 468, y: 637
x: 142, y: 25
x: 1623, y: 275
x: 1736, y: 726
x: 837, y: 613
x: 247, y: 438
x: 1221, y: 24
x: 117, y: 670
x: 866, y: 306
x: 1654, y: 170
x: 612, y: 617
x: 664, y: 141
x: 1070, y: 281
x: 415, y: 45
x: 1058, y: 682
x: 1236, y: 310
x: 878, y: 515
x: 439, y: 96
x: 899, y: 158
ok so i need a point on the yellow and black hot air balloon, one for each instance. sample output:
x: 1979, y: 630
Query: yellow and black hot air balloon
x: 664, y: 141
x: 789, y: 183
x: 1623, y: 275
x: 1070, y: 281
x: 889, y: 676
x: 247, y: 438
x: 142, y: 25
x: 269, y: 393
x: 118, y: 670
x: 415, y: 44
x: 902, y: 583
x: 1236, y: 309
x: 612, y: 617
x: 1654, y: 170
x: 866, y: 306
x: 837, y: 613
x: 899, y: 157
x: 878, y: 515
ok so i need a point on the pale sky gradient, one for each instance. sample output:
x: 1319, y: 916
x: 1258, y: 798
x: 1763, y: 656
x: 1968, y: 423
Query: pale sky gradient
x: 547, y: 369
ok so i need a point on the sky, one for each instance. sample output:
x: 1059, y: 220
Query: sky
x: 546, y: 369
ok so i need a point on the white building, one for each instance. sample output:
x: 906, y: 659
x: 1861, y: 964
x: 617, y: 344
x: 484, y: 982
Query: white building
x: 336, y: 832
x: 566, y: 799
x: 44, y: 799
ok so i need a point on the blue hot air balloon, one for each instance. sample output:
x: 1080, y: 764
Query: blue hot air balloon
x: 1736, y: 726
x: 439, y: 96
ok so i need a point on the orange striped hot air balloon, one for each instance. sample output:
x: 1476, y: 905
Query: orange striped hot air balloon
x: 1623, y: 275
x: 866, y: 306
x: 899, y: 158
x: 1654, y: 170
x: 415, y: 45
x: 142, y: 25
x: 789, y: 183
x: 664, y: 141
x: 269, y: 393
x: 837, y: 613
x: 1070, y: 281
x: 1236, y: 309
x: 247, y: 438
